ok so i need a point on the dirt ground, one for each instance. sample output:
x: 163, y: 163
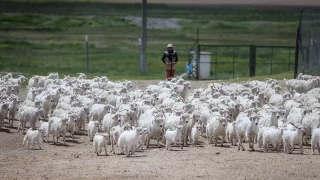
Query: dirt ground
x: 76, y: 160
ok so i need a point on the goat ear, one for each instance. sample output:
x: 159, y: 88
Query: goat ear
x: 250, y: 118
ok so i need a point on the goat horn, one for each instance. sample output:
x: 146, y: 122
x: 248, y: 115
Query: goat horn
x: 294, y: 125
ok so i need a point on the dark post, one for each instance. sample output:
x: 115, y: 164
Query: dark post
x: 308, y: 54
x: 215, y: 64
x: 143, y: 67
x: 289, y: 59
x: 232, y: 62
x: 87, y: 54
x: 140, y: 54
x: 271, y: 60
x: 252, y: 61
x: 197, y: 35
x: 298, y: 38
x: 198, y: 61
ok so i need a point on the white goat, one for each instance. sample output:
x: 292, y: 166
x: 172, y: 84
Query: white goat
x: 173, y: 136
x: 99, y: 142
x: 129, y: 140
x: 44, y: 127
x: 143, y: 137
x: 291, y: 137
x: 98, y: 111
x: 4, y: 108
x: 315, y: 140
x: 195, y: 134
x: 115, y: 133
x: 13, y: 108
x: 29, y: 114
x: 215, y: 128
x: 32, y: 136
x: 231, y: 133
x: 93, y: 127
x: 246, y: 127
x: 272, y: 136
x: 57, y: 127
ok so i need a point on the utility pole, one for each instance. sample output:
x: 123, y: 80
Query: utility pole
x: 140, y: 54
x: 87, y: 54
x: 143, y: 55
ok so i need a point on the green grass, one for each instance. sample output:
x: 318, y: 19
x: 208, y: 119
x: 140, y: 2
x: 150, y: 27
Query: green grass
x: 38, y: 37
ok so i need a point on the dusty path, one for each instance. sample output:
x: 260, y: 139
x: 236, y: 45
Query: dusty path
x: 77, y: 160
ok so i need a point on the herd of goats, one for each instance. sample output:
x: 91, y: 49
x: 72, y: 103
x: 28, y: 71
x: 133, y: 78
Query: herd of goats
x: 260, y: 113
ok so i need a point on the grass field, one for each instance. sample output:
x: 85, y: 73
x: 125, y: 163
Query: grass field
x: 36, y: 38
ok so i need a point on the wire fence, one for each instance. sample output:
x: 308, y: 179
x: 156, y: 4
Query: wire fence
x: 235, y: 61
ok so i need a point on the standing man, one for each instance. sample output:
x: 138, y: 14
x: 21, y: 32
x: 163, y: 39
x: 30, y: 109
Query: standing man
x: 170, y: 58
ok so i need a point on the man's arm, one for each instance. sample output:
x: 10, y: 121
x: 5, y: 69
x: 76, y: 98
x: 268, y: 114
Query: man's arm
x: 176, y: 57
x: 163, y: 58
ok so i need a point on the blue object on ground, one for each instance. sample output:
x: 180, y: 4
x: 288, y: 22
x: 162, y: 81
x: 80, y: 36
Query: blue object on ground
x: 189, y: 68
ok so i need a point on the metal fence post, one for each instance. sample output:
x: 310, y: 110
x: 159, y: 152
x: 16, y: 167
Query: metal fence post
x: 87, y: 54
x: 140, y: 54
x: 215, y: 64
x: 289, y: 60
x: 233, y: 62
x: 197, y: 35
x: 298, y: 39
x: 143, y: 67
x: 198, y: 61
x: 252, y: 61
x: 271, y: 60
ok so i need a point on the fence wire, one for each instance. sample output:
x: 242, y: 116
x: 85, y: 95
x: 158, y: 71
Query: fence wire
x: 309, y: 45
x: 235, y: 61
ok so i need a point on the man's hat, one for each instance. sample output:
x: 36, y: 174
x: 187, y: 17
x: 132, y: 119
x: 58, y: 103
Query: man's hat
x: 169, y: 45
